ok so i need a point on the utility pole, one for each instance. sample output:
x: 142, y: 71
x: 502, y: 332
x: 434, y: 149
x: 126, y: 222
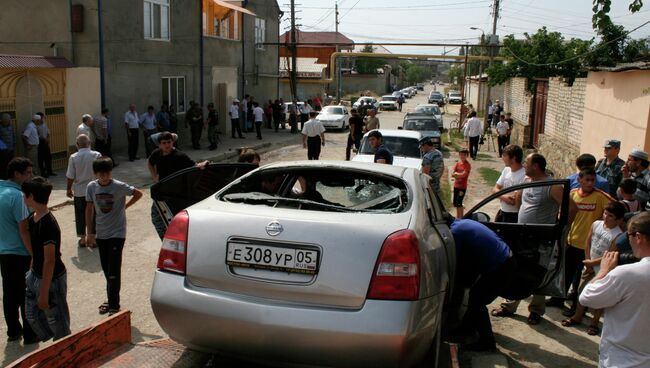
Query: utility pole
x: 338, y: 59
x: 463, y: 109
x: 492, y: 50
x: 294, y: 57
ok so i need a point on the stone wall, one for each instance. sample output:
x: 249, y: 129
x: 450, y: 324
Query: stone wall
x: 517, y: 101
x: 562, y: 133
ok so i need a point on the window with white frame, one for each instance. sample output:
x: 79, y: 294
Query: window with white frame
x: 173, y: 92
x: 156, y: 19
x: 260, y: 32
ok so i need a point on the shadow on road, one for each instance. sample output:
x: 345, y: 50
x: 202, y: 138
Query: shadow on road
x: 87, y: 259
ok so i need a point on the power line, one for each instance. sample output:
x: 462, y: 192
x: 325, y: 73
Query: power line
x: 577, y: 56
x: 349, y: 10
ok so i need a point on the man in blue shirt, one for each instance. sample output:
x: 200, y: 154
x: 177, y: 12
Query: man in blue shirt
x: 15, y: 249
x: 587, y: 161
x: 484, y: 265
x: 382, y: 153
x: 7, y: 144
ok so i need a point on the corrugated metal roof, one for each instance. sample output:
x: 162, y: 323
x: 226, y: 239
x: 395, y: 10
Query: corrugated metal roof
x: 33, y: 61
x: 307, y: 67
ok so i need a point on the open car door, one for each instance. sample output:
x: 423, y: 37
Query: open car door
x: 538, y: 248
x: 189, y: 186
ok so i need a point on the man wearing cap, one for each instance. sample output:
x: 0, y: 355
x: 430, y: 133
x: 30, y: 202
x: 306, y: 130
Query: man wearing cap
x: 432, y: 162
x: 234, y: 118
x: 610, y: 166
x: 637, y: 169
x: 30, y: 138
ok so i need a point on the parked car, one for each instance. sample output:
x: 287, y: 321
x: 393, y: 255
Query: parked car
x: 366, y: 100
x: 388, y: 102
x: 334, y: 116
x: 420, y: 86
x: 426, y: 124
x: 403, y: 144
x: 292, y: 286
x: 454, y: 97
x: 436, y: 97
x: 430, y: 109
x: 399, y: 93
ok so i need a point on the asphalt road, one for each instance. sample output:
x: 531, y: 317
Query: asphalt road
x: 86, y: 284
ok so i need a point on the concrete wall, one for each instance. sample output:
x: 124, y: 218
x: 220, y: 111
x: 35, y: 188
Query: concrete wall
x: 472, y: 94
x: 517, y: 101
x: 617, y: 105
x: 560, y: 142
x: 37, y: 23
x: 353, y: 83
x: 82, y: 97
x: 305, y: 90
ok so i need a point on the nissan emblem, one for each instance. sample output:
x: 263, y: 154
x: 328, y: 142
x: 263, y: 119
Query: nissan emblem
x: 274, y: 228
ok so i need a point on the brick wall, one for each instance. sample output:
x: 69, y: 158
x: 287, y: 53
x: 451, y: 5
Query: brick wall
x: 517, y: 100
x: 560, y: 142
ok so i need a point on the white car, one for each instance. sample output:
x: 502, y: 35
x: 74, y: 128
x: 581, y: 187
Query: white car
x: 334, y: 117
x: 366, y: 100
x: 388, y: 102
x: 403, y: 144
x: 454, y: 97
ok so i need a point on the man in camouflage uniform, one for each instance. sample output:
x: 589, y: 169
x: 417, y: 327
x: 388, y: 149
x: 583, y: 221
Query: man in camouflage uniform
x: 432, y: 162
x: 636, y: 168
x: 610, y: 167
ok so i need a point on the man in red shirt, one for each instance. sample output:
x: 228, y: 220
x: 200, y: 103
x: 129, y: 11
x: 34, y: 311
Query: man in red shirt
x: 461, y: 174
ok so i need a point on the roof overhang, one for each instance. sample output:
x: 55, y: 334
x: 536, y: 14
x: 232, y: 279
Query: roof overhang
x: 33, y: 62
x: 238, y: 8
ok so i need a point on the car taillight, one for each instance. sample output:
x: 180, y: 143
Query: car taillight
x: 173, y: 253
x: 397, y: 272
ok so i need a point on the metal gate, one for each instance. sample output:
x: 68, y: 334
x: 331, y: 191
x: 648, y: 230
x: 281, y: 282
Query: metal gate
x: 539, y: 114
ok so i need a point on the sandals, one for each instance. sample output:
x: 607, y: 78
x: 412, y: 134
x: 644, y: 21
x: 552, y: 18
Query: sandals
x: 103, y: 309
x: 570, y: 322
x: 593, y: 330
x: 534, y: 319
x: 501, y: 312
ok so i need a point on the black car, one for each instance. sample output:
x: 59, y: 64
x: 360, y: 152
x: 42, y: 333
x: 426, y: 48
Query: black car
x: 437, y: 98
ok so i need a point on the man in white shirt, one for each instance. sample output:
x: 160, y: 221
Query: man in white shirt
x: 513, y: 174
x: 258, y: 114
x: 624, y: 294
x: 79, y: 174
x: 149, y: 126
x: 132, y: 126
x: 313, y: 136
x: 44, y: 152
x: 30, y: 138
x: 86, y: 127
x: 234, y: 118
x: 503, y: 131
x: 473, y: 132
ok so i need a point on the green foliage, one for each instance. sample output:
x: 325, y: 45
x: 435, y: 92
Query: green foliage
x: 601, y: 8
x: 489, y: 175
x: 365, y: 65
x: 456, y: 72
x: 416, y: 74
x: 541, y: 55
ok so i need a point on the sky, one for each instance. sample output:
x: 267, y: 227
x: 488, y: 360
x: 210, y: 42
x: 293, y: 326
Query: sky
x: 449, y: 21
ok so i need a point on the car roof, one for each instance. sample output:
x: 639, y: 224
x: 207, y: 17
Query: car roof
x: 387, y: 96
x: 399, y: 133
x: 331, y: 164
x: 427, y: 105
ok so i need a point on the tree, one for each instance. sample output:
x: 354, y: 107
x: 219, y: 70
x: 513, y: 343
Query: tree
x: 543, y: 54
x: 601, y: 19
x: 456, y: 74
x: 366, y: 65
x: 415, y: 74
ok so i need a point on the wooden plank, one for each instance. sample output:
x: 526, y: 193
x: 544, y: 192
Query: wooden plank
x: 83, y: 346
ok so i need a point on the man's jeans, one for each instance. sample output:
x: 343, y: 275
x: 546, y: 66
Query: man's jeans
x: 13, y: 268
x: 110, y: 256
x: 54, y: 322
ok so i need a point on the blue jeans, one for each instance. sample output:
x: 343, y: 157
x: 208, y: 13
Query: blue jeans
x: 51, y: 323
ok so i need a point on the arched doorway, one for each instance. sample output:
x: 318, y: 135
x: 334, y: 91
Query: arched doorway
x: 29, y: 101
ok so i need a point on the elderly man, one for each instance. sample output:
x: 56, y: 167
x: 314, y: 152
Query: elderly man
x: 636, y: 168
x: 30, y: 138
x: 7, y: 144
x: 432, y: 162
x: 86, y: 127
x: 79, y: 174
x: 610, y: 166
x: 623, y: 293
x: 372, y: 121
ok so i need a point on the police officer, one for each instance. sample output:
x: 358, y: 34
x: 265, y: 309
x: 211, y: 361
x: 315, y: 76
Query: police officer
x: 432, y: 162
x: 610, y: 166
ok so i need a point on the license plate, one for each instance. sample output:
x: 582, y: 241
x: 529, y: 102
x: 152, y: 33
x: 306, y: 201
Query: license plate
x: 297, y: 260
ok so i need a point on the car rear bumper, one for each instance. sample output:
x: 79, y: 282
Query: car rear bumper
x: 380, y: 334
x: 332, y: 124
x: 388, y: 107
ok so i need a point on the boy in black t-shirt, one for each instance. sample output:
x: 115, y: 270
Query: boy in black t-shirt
x: 46, y: 305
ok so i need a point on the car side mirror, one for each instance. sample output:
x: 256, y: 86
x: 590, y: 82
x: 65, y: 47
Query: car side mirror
x: 480, y: 217
x: 400, y: 128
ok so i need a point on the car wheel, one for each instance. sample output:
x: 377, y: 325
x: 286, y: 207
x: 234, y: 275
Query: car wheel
x: 343, y: 126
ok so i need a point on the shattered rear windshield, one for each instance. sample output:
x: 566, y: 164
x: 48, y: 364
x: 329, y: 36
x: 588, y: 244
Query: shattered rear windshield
x: 320, y: 189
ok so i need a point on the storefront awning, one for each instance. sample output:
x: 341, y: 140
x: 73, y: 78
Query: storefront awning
x: 33, y: 61
x: 226, y: 4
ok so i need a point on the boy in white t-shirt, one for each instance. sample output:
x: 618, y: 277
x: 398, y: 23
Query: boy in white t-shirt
x: 603, y: 233
x: 512, y: 174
